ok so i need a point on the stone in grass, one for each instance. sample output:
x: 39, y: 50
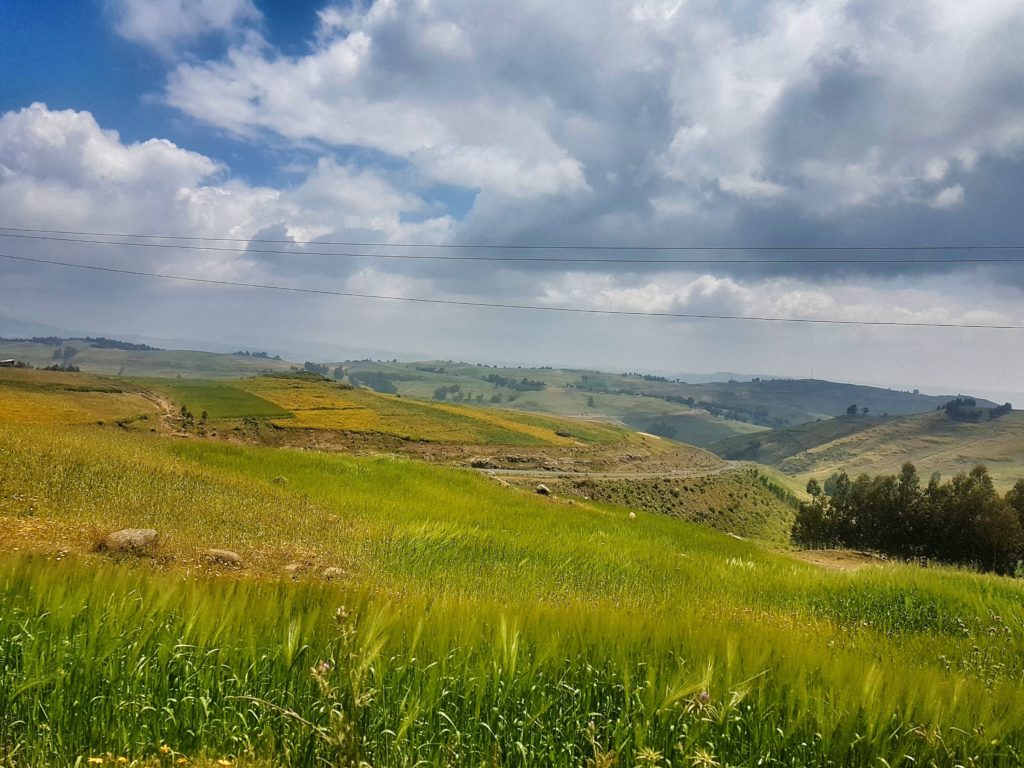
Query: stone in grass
x: 333, y: 574
x: 134, y: 541
x: 543, y: 490
x: 292, y: 569
x: 222, y: 557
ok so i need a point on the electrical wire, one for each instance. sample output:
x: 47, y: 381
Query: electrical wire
x: 541, y: 246
x: 492, y: 305
x: 520, y: 259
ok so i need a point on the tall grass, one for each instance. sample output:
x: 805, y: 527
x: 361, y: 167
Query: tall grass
x: 480, y: 626
x: 96, y: 661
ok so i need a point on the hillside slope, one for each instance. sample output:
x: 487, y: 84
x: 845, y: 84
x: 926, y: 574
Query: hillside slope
x: 931, y: 441
x: 141, y: 362
x: 772, y: 447
x: 699, y: 414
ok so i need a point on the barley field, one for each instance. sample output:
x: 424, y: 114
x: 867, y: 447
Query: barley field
x: 464, y: 624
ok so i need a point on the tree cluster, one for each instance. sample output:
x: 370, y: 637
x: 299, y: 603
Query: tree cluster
x: 378, y: 382
x: 102, y: 342
x: 966, y: 409
x: 260, y: 355
x: 522, y: 385
x: 963, y: 520
x: 322, y: 369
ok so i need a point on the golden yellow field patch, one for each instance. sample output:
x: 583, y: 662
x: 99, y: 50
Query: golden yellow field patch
x: 326, y: 405
x: 498, y: 419
x: 63, y: 407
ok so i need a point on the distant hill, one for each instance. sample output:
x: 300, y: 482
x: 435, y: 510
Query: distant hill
x: 108, y: 356
x: 932, y: 441
x: 699, y: 414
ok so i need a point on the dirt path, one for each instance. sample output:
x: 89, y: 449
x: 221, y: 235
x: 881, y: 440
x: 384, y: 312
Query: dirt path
x: 530, y: 474
x: 168, y: 413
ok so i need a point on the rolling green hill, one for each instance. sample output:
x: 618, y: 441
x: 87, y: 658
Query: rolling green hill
x: 700, y: 414
x: 305, y: 411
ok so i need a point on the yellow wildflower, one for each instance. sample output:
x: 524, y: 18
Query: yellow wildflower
x: 164, y: 749
x: 95, y: 761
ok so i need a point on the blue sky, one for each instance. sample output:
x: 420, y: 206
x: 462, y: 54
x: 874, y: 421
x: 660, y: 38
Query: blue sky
x: 627, y: 122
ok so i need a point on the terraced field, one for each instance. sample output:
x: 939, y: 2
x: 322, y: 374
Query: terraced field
x: 328, y: 405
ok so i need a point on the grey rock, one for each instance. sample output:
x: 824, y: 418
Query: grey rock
x: 222, y: 557
x: 133, y: 540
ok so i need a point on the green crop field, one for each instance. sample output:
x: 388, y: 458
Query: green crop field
x: 220, y: 399
x: 390, y: 612
x: 470, y: 624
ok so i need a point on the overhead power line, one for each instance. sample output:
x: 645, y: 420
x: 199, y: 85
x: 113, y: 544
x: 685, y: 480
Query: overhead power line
x: 526, y: 259
x: 495, y: 305
x: 542, y: 246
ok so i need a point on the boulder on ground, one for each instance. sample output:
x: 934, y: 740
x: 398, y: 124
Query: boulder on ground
x: 130, y: 540
x: 280, y: 480
x: 331, y: 574
x: 292, y: 569
x: 543, y: 490
x: 222, y: 557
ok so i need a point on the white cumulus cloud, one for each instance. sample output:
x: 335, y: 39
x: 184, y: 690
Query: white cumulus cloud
x: 164, y: 25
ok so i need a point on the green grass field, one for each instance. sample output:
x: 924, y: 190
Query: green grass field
x: 220, y: 399
x: 461, y: 621
x: 479, y: 625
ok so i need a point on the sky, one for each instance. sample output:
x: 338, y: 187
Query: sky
x: 630, y: 123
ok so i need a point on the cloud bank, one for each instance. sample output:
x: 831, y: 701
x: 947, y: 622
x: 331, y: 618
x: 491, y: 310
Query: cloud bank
x: 637, y: 123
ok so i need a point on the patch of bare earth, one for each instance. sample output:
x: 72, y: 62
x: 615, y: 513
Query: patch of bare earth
x: 839, y: 559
